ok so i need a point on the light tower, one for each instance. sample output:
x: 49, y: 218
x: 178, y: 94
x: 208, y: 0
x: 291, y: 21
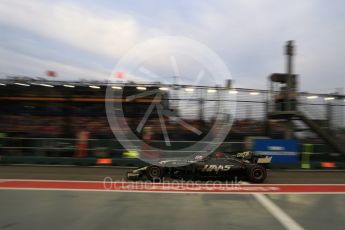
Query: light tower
x: 283, y: 101
x: 283, y: 89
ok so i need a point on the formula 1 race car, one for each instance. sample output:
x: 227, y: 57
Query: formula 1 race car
x: 243, y: 166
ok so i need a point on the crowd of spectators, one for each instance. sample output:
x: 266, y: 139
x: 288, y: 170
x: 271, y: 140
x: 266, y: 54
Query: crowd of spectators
x: 52, y: 126
x: 98, y: 127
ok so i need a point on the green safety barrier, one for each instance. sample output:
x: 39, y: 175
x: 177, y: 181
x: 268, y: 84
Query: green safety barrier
x: 130, y: 154
x: 306, y: 152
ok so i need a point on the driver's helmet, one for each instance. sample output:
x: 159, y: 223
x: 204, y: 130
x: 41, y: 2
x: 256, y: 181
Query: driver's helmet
x: 199, y: 157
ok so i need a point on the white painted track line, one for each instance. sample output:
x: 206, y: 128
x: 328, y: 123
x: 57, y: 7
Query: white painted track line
x: 277, y: 212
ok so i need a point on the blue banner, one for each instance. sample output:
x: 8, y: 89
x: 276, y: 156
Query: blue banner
x: 281, y: 150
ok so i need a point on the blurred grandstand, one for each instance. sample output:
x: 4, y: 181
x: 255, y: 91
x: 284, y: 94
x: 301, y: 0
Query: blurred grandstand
x: 46, y: 118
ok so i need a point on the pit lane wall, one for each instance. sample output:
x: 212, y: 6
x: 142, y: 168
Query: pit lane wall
x: 289, y: 154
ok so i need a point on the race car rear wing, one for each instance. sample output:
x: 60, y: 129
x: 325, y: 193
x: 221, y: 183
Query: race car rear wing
x: 263, y: 159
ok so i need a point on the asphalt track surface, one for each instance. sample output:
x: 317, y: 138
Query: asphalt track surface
x: 39, y: 208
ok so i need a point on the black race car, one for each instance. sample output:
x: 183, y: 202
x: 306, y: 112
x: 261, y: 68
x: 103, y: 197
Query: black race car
x: 243, y: 166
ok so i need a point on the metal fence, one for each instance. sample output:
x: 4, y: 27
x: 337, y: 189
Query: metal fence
x: 67, y: 147
x: 248, y: 108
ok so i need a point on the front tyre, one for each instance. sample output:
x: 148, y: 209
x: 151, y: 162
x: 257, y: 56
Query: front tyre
x: 155, y: 173
x: 256, y: 173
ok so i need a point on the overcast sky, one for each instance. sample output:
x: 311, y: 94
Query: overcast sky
x: 85, y: 39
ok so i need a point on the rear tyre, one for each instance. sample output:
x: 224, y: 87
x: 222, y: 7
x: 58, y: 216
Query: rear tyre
x: 155, y: 173
x: 256, y: 173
